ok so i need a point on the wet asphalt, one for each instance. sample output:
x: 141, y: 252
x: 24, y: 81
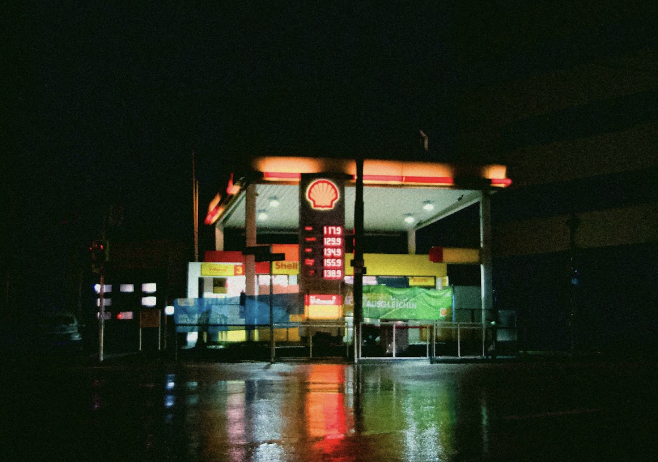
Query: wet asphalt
x: 331, y: 411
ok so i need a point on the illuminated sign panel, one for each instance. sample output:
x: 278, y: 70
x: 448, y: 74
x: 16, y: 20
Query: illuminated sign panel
x: 322, y: 231
x: 428, y: 281
x: 322, y: 299
x: 322, y: 194
x: 285, y: 267
x: 323, y: 306
x: 333, y: 251
x: 222, y: 269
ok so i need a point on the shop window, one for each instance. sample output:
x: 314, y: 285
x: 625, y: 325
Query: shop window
x: 219, y: 286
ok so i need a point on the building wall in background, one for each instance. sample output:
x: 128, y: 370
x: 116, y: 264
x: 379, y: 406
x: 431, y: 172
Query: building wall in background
x: 578, y: 131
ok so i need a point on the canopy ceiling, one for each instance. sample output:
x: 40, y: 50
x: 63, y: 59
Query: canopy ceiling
x: 398, y: 196
x: 385, y: 208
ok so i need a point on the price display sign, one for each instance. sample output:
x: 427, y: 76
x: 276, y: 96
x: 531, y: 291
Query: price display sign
x: 333, y: 252
x: 322, y: 230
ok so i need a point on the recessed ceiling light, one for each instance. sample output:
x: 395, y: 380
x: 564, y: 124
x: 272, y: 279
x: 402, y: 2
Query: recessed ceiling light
x: 408, y: 218
x: 428, y: 206
x: 262, y: 215
x: 274, y: 202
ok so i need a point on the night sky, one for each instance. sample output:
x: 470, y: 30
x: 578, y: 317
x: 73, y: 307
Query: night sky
x: 104, y: 104
x: 107, y: 103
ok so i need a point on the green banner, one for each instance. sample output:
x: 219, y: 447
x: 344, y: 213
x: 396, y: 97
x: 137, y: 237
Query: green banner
x: 381, y: 302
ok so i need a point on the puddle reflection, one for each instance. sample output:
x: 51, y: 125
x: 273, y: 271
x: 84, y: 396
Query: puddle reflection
x: 327, y: 411
x: 311, y: 412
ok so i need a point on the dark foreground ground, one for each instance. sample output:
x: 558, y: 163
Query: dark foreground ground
x: 553, y: 410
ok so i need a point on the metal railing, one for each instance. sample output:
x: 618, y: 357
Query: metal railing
x: 381, y: 339
x: 410, y: 338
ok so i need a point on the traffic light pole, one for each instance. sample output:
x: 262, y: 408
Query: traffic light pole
x: 98, y: 251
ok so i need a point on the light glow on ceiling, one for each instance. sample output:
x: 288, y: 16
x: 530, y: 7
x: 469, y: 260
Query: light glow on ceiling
x: 287, y: 164
x: 402, y: 179
x: 282, y: 176
x: 214, y: 202
x: 286, y: 172
x: 501, y: 182
x: 378, y: 171
x: 213, y: 215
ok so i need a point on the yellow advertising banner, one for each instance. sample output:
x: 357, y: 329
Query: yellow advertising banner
x: 425, y: 281
x: 222, y: 269
x: 400, y: 265
x: 323, y: 306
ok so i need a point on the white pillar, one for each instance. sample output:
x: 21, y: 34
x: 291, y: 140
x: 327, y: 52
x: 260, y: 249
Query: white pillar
x: 411, y: 242
x: 219, y: 236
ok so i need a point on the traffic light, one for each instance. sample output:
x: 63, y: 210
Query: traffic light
x: 99, y: 254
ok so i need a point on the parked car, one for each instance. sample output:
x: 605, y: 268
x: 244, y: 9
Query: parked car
x: 59, y: 331
x: 40, y: 335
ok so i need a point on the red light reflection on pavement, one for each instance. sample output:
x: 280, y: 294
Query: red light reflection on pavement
x: 326, y: 416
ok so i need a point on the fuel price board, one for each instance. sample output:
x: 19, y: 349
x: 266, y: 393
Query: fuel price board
x: 322, y: 230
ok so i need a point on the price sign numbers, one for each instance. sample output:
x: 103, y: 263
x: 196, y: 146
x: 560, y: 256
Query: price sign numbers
x: 333, y: 252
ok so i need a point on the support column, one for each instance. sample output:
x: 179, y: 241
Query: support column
x: 219, y: 236
x: 358, y: 262
x: 411, y: 242
x: 486, y: 260
x: 250, y: 260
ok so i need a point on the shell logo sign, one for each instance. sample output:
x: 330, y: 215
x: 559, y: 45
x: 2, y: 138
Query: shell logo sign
x: 322, y: 194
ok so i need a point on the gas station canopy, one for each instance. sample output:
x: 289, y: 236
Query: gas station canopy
x: 398, y: 196
x: 315, y: 199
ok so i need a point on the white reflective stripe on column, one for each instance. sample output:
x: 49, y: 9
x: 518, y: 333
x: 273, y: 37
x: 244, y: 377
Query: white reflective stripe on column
x: 250, y: 234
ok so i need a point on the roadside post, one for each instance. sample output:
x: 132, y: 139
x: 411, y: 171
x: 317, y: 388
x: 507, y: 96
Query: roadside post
x: 98, y: 250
